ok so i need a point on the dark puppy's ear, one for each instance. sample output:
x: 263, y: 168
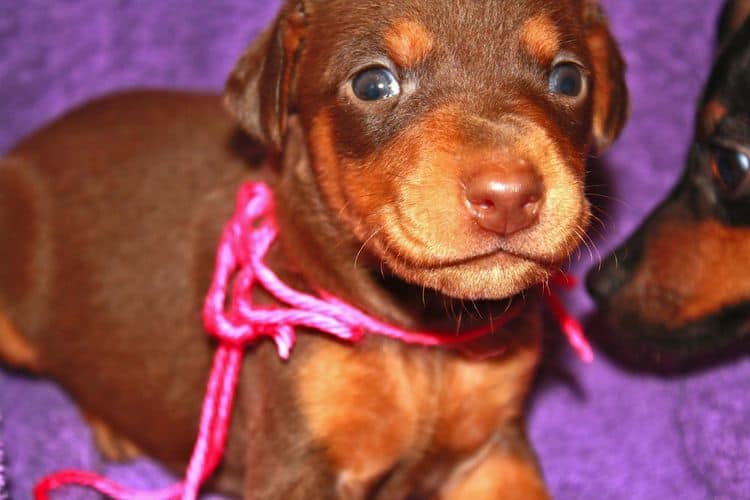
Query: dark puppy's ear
x: 610, y: 89
x: 733, y: 16
x: 260, y: 90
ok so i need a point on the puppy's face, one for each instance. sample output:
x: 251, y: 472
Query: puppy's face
x: 448, y: 138
x: 681, y: 284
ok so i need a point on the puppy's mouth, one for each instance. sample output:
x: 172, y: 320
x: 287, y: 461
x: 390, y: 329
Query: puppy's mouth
x: 496, y: 274
x: 495, y: 255
x: 439, y: 312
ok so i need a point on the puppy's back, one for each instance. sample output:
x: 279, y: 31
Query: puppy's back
x: 109, y: 220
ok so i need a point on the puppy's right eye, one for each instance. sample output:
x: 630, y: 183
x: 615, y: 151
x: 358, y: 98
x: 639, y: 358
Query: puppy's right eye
x: 375, y: 84
x: 730, y: 169
x: 566, y: 79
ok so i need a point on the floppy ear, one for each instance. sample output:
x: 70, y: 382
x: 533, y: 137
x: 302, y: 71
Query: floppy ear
x: 609, y: 87
x: 733, y: 16
x: 260, y: 89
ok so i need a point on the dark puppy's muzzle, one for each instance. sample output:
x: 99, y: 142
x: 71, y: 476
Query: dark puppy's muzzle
x: 605, y: 280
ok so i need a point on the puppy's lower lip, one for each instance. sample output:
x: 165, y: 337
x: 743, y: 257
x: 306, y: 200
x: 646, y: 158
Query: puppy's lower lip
x: 494, y: 253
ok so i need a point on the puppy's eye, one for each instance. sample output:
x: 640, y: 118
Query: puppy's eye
x: 375, y: 84
x: 566, y: 79
x: 730, y: 168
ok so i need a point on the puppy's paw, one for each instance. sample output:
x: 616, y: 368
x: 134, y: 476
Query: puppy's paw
x: 110, y: 444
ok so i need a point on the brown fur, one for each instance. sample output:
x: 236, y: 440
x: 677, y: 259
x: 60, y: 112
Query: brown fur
x: 124, y: 200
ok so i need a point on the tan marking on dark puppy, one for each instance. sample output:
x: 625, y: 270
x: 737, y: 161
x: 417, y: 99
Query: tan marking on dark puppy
x: 408, y: 43
x: 541, y: 38
x: 710, y: 117
x: 684, y: 274
x: 15, y: 349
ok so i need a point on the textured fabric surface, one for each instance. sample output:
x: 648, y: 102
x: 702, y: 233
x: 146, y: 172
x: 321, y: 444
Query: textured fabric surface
x: 3, y: 467
x: 600, y: 432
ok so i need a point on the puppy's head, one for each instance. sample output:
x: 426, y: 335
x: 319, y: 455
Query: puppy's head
x: 679, y: 288
x: 447, y: 137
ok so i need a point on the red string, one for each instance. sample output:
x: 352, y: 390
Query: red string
x: 245, y: 243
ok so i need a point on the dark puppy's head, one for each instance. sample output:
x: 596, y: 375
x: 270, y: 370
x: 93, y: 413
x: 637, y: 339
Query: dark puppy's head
x: 680, y: 286
x: 448, y: 137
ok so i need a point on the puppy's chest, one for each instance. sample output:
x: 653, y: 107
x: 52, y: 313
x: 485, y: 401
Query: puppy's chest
x: 384, y: 403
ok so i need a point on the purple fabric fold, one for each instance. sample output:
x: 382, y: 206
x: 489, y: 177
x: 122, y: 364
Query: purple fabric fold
x: 600, y: 432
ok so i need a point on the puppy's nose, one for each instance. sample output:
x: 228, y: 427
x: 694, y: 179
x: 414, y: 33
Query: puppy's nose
x: 505, y: 200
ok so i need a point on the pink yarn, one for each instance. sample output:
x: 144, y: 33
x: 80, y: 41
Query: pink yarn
x: 245, y: 243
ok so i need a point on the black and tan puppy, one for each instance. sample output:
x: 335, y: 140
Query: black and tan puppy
x: 679, y: 288
x: 422, y: 153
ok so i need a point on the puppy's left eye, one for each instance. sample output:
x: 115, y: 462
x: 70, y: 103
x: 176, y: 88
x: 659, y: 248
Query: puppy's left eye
x: 730, y: 169
x: 566, y: 79
x: 375, y: 84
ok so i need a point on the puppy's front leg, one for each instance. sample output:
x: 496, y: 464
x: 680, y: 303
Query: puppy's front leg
x: 504, y: 469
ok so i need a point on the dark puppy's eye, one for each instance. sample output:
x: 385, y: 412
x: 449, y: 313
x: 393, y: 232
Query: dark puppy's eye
x: 375, y: 84
x: 566, y: 79
x: 730, y: 168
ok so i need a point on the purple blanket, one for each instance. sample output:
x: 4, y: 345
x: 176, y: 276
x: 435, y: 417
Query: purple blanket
x: 602, y: 433
x: 3, y: 469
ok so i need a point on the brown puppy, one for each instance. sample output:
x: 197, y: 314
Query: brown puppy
x: 679, y: 288
x: 422, y: 153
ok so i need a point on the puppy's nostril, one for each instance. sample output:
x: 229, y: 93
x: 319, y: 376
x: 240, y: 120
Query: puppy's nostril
x: 532, y: 205
x: 486, y: 205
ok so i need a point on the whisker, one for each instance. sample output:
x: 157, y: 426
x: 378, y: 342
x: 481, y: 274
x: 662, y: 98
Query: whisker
x: 362, y: 248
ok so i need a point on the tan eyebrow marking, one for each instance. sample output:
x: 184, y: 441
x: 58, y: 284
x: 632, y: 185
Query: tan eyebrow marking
x: 711, y: 114
x: 408, y: 43
x: 541, y: 38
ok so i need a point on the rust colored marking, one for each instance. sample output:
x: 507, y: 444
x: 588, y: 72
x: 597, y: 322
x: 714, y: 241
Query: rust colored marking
x: 710, y: 117
x: 717, y: 276
x: 541, y: 38
x: 15, y: 349
x: 498, y: 475
x: 110, y: 443
x: 363, y: 406
x: 465, y: 424
x: 408, y: 43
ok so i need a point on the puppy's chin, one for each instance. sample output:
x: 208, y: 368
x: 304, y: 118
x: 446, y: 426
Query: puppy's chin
x: 494, y: 277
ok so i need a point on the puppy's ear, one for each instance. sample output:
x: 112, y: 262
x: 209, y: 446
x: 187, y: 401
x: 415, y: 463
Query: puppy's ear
x: 260, y: 90
x: 609, y: 87
x: 733, y: 16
